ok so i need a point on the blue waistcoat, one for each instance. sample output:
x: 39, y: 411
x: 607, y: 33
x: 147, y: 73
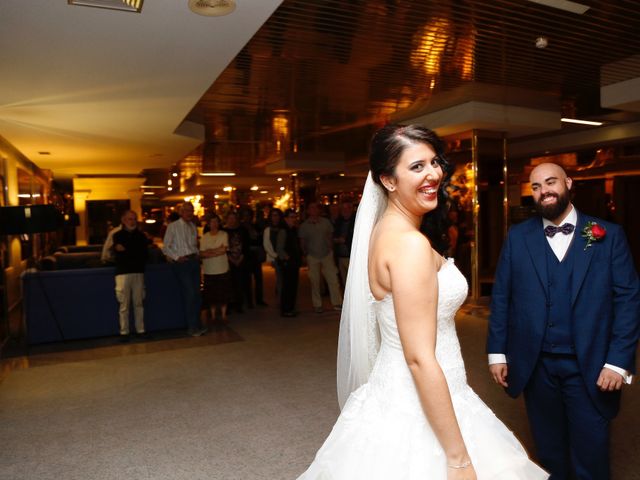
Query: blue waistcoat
x: 558, y: 337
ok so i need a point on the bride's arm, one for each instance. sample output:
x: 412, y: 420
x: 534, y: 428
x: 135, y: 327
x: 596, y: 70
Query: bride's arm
x: 414, y: 285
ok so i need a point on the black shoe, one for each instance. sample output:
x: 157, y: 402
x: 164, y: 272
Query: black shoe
x: 262, y: 304
x: 124, y: 338
x: 197, y: 332
x: 288, y: 314
x: 144, y: 336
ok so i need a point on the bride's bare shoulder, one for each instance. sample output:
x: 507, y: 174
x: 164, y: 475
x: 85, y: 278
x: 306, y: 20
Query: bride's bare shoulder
x: 391, y: 242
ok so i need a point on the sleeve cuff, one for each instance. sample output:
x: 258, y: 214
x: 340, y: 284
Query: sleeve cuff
x: 497, y: 358
x: 626, y: 376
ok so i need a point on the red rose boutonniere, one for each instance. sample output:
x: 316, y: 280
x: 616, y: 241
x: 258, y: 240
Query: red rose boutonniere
x: 593, y: 233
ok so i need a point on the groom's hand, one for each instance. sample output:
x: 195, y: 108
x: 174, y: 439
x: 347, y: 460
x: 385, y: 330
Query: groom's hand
x: 609, y: 381
x: 499, y: 372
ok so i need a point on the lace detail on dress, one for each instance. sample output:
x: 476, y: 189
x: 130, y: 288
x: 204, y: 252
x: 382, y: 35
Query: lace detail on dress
x: 452, y: 291
x: 373, y: 335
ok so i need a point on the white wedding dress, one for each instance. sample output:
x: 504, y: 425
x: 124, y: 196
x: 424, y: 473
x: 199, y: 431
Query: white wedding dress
x: 382, y: 432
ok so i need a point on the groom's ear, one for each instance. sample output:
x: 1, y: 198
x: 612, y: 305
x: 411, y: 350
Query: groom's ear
x: 568, y: 182
x: 389, y: 182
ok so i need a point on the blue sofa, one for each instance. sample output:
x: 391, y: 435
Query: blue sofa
x: 80, y: 303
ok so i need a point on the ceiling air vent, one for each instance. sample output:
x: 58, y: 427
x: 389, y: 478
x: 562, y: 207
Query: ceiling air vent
x: 124, y: 5
x: 212, y: 8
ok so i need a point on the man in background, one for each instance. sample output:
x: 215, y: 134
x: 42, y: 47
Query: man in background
x: 343, y: 236
x: 130, y: 255
x: 317, y: 244
x: 181, y: 250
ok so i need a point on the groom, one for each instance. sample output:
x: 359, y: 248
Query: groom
x: 564, y: 326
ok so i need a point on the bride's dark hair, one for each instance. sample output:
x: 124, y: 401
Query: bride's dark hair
x: 387, y: 147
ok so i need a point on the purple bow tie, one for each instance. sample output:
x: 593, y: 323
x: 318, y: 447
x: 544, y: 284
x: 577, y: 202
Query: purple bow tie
x: 565, y: 228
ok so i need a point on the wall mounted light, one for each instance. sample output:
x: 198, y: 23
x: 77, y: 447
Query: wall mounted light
x: 134, y: 6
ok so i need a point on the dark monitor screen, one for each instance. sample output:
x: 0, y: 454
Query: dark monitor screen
x: 29, y: 219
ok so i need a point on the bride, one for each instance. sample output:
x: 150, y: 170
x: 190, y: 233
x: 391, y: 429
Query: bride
x: 407, y: 411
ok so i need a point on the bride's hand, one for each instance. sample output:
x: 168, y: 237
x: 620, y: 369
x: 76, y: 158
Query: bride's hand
x: 467, y: 473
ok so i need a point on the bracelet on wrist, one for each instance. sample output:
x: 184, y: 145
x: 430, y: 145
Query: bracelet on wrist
x: 460, y: 466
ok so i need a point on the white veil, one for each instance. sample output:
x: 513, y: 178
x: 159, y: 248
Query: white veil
x: 359, y: 338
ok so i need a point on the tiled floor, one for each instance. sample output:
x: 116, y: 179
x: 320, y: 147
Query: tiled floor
x: 251, y: 401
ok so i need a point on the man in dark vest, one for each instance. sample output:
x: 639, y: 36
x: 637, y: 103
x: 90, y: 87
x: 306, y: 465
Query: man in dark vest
x: 564, y: 326
x: 130, y: 253
x: 290, y: 258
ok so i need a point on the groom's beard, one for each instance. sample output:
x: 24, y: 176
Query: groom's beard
x: 552, y: 212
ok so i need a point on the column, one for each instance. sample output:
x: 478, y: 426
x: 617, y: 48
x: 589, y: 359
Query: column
x: 80, y: 206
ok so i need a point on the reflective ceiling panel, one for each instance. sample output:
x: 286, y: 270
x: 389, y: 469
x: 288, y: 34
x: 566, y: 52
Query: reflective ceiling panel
x: 321, y: 75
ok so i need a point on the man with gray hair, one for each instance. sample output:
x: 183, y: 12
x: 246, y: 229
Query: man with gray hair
x: 181, y: 250
x: 130, y: 255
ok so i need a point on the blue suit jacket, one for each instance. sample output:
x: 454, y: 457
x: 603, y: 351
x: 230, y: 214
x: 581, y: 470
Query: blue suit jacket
x: 605, y: 299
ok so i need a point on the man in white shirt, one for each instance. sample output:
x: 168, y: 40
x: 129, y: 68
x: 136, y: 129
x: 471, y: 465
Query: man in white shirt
x: 317, y: 244
x: 564, y: 326
x: 181, y: 250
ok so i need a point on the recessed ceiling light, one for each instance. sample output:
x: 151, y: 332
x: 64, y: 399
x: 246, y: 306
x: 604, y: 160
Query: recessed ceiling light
x: 218, y: 174
x: 580, y: 122
x: 565, y: 5
x: 542, y: 42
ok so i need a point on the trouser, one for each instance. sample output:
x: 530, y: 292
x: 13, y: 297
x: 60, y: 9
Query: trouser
x: 252, y: 271
x: 567, y: 428
x: 330, y: 273
x: 238, y: 277
x: 130, y: 289
x: 289, y: 291
x: 343, y: 267
x: 278, y: 269
x: 188, y: 275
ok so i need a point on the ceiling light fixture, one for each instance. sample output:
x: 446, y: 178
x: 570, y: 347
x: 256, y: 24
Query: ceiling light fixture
x: 134, y: 6
x: 255, y: 188
x: 212, y: 8
x: 565, y: 5
x: 542, y: 42
x: 218, y: 174
x: 580, y: 122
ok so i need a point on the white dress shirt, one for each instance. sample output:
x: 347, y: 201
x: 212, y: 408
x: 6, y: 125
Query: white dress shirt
x: 560, y: 243
x: 180, y: 239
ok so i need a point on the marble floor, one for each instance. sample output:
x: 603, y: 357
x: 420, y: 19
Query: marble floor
x: 252, y: 401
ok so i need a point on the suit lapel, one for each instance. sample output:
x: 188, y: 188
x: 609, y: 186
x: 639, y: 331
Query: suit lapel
x: 581, y: 257
x: 536, y: 244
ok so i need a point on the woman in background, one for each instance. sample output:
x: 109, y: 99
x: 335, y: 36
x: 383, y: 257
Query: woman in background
x: 215, y: 267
